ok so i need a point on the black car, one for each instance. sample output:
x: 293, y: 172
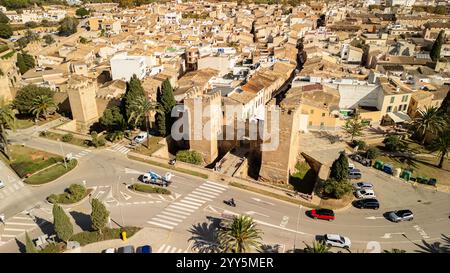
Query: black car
x: 369, y: 203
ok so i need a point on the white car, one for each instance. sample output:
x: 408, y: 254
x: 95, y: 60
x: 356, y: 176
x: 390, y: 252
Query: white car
x: 351, y: 166
x: 337, y: 240
x: 363, y: 194
x: 362, y: 186
x: 140, y: 137
x: 110, y: 250
x: 2, y: 185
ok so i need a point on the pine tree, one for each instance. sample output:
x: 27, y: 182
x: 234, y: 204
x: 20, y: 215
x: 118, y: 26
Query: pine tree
x: 99, y: 215
x: 63, y: 226
x: 29, y: 245
x: 339, y: 169
x: 435, y: 52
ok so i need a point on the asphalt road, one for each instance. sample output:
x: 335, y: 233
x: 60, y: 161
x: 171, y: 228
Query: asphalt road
x: 186, y: 212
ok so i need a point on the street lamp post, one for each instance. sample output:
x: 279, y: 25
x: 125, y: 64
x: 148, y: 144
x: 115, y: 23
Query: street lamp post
x: 64, y: 156
x: 298, y: 221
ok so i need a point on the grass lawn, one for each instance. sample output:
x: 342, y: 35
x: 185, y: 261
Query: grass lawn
x: 24, y: 123
x: 51, y: 173
x: 422, y: 166
x: 153, y: 146
x: 149, y: 189
x: 25, y: 160
x: 167, y: 166
x: 304, y: 179
x: 58, y: 137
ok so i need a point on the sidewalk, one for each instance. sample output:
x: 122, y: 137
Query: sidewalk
x: 217, y: 177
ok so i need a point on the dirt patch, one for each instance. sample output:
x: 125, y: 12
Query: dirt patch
x: 332, y: 203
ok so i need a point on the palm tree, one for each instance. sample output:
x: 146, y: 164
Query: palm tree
x: 441, y: 145
x: 7, y: 120
x: 140, y: 112
x: 317, y: 247
x: 428, y: 120
x: 42, y: 104
x: 240, y: 235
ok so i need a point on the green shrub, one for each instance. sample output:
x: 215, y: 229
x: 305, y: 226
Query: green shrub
x: 67, y: 137
x: 115, y: 136
x: 73, y: 194
x: 96, y: 140
x: 192, y: 157
x: 336, y: 189
x: 393, y: 143
x: 372, y: 153
x: 43, y: 133
x: 88, y: 237
x: 149, y: 189
x: 360, y: 143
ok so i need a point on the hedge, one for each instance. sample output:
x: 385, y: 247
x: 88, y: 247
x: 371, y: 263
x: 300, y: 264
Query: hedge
x: 71, y: 195
x: 149, y: 189
x: 89, y: 237
x: 192, y: 157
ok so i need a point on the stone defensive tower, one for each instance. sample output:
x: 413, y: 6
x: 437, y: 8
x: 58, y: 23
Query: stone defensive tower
x: 277, y: 165
x: 205, y: 121
x: 82, y: 92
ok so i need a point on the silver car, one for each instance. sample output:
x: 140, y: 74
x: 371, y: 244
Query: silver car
x: 2, y: 185
x: 362, y: 186
x: 400, y: 215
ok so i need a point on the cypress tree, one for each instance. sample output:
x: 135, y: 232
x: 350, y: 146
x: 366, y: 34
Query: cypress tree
x: 444, y: 109
x: 167, y: 101
x: 435, y: 52
x: 63, y: 226
x: 29, y: 245
x: 99, y: 215
x: 21, y: 64
x: 134, y: 90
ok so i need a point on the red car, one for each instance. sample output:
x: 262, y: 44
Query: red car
x: 325, y: 214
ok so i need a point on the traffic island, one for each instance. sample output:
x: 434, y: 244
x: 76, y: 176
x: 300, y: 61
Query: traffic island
x: 148, y: 189
x: 51, y: 173
x: 72, y: 195
x: 90, y: 237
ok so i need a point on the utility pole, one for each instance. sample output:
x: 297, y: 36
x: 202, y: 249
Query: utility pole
x: 298, y: 221
x: 64, y: 155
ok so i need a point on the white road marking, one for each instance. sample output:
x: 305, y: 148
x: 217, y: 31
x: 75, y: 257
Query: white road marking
x: 210, y: 189
x: 198, y: 197
x: 14, y: 229
x: 192, y: 199
x: 20, y: 224
x: 182, y: 208
x: 177, y: 211
x: 186, y: 205
x: 257, y: 213
x: 173, y: 214
x: 132, y: 171
x: 217, y: 184
x: 125, y: 196
x: 168, y: 217
x: 164, y: 221
x: 262, y: 201
x: 161, y: 225
x: 191, y: 202
x: 201, y: 193
x: 284, y: 221
x: 214, y: 194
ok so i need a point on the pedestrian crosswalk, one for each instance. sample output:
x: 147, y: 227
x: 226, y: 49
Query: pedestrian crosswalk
x: 10, y: 188
x: 176, y: 212
x: 119, y: 148
x: 16, y: 226
x: 170, y: 249
x: 82, y: 153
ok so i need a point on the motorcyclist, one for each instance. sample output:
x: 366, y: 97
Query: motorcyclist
x: 232, y: 201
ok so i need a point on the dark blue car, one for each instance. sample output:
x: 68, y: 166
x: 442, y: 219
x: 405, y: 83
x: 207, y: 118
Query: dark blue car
x: 146, y: 249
